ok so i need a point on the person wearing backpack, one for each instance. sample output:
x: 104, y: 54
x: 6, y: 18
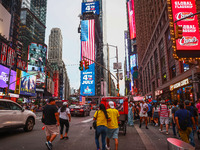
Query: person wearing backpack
x: 184, y: 121
x: 149, y: 112
x: 102, y: 117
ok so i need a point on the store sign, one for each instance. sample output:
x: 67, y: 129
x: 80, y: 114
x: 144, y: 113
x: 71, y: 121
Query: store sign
x: 90, y: 7
x: 179, y: 84
x: 191, y: 38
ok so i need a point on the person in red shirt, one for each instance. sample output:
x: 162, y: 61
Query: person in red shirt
x: 198, y: 106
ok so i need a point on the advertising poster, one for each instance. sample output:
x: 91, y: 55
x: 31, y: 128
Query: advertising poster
x: 90, y: 7
x: 133, y: 62
x: 28, y: 84
x: 191, y: 38
x: 40, y: 78
x: 3, y: 53
x: 131, y: 18
x: 4, y: 73
x: 88, y: 50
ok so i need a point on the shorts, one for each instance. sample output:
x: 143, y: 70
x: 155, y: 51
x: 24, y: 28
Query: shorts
x: 155, y: 115
x: 149, y: 114
x: 164, y: 120
x: 143, y: 115
x: 112, y: 133
x: 51, y: 129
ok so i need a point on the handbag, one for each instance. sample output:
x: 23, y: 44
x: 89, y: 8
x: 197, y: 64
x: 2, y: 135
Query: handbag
x: 95, y: 122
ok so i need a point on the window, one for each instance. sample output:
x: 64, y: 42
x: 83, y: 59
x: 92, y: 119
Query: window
x: 164, y: 78
x: 152, y: 67
x: 4, y: 106
x: 14, y: 106
x: 173, y: 71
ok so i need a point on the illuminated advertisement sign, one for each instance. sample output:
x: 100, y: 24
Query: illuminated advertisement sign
x: 40, y: 76
x: 191, y: 39
x: 133, y: 62
x: 126, y: 51
x: 4, y: 73
x: 37, y: 57
x: 3, y: 53
x: 131, y: 18
x: 28, y: 84
x: 90, y: 7
x: 88, y: 50
x: 11, y: 57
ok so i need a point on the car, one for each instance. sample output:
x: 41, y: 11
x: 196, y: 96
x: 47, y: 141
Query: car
x: 80, y: 111
x: 12, y: 115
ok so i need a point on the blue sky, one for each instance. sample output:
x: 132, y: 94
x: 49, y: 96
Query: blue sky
x: 64, y: 15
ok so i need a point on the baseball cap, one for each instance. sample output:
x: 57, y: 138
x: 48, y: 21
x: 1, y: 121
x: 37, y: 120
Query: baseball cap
x: 187, y: 102
x: 65, y: 103
x: 111, y: 104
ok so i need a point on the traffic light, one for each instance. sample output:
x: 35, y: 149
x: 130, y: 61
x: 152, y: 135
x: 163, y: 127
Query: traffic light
x: 178, y: 32
x: 6, y: 90
x: 81, y: 66
x: 86, y: 64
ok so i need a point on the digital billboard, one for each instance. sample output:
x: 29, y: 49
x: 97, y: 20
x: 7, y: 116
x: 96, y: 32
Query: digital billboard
x: 90, y: 7
x: 40, y: 78
x: 133, y: 62
x: 5, y: 19
x: 88, y: 50
x: 189, y: 44
x: 4, y: 73
x: 131, y: 18
x: 3, y: 53
x: 28, y: 84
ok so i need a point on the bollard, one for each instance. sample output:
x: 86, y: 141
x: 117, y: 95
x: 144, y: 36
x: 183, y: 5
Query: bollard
x: 175, y: 144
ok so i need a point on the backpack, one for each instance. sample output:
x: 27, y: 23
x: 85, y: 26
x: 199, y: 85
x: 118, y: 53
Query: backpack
x: 184, y: 123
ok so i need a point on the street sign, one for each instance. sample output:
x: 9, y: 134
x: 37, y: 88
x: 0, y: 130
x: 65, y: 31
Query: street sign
x: 117, y: 66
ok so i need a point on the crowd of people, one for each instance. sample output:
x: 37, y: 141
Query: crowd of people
x: 183, y: 117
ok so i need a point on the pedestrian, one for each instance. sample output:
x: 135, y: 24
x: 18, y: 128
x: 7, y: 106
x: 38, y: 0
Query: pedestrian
x: 113, y: 127
x: 149, y: 112
x: 143, y: 113
x: 130, y: 114
x: 155, y: 114
x: 191, y: 109
x: 174, y: 109
x: 65, y: 118
x: 102, y: 118
x: 164, y: 116
x: 184, y: 120
x: 198, y: 107
x: 51, y: 121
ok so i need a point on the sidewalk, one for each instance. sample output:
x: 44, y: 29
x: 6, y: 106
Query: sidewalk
x: 153, y: 139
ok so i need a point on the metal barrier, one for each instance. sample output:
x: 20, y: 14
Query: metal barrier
x: 175, y: 144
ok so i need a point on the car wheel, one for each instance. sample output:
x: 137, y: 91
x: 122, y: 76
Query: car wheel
x: 29, y: 125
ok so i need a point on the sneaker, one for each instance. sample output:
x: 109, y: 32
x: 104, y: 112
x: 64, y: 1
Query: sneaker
x: 108, y: 148
x: 140, y: 125
x: 49, y: 145
x: 156, y: 125
x: 147, y: 127
x: 167, y: 133
x: 160, y: 130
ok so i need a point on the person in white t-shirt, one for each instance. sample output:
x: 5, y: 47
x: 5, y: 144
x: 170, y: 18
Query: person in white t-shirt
x: 143, y: 113
x: 65, y: 118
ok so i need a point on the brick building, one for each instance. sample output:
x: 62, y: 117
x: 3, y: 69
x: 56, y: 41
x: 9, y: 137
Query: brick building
x: 160, y: 75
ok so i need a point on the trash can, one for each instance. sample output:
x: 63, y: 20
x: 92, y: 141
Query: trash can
x: 175, y: 144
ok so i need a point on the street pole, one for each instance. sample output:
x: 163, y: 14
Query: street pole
x: 108, y: 59
x: 8, y: 81
x: 117, y: 70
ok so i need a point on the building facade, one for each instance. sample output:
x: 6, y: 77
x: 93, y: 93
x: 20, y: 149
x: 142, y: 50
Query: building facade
x: 160, y: 75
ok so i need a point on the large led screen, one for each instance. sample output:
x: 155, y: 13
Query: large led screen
x: 190, y: 39
x: 4, y: 73
x: 90, y: 7
x: 40, y: 78
x: 88, y: 50
x: 133, y: 61
x: 131, y: 18
x: 28, y: 84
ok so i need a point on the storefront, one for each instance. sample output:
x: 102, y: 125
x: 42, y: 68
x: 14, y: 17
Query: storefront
x: 182, y: 90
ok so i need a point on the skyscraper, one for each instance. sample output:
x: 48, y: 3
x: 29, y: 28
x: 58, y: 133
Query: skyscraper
x: 55, y: 46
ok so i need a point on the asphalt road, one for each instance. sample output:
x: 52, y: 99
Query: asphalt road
x: 81, y: 137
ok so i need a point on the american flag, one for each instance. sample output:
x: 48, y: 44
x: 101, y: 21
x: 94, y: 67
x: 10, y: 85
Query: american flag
x: 88, y: 40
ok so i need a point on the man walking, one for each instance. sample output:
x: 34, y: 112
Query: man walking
x: 143, y: 113
x: 113, y: 127
x: 184, y: 120
x: 164, y: 116
x: 51, y: 121
x: 174, y: 109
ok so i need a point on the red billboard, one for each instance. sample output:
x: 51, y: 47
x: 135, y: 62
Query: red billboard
x: 3, y: 53
x: 131, y: 18
x: 191, y: 39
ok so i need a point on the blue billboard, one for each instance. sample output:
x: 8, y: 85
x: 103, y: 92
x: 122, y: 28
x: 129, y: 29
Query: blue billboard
x: 28, y: 84
x: 90, y: 7
x: 88, y: 81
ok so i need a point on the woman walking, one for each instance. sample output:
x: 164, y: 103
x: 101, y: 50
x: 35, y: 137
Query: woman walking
x: 65, y: 118
x: 102, y: 119
x: 155, y: 114
x: 130, y: 114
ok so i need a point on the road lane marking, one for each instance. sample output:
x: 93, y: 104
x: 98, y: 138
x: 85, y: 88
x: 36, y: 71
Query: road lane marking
x: 88, y: 120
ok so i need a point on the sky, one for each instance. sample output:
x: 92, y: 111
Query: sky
x: 64, y: 14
